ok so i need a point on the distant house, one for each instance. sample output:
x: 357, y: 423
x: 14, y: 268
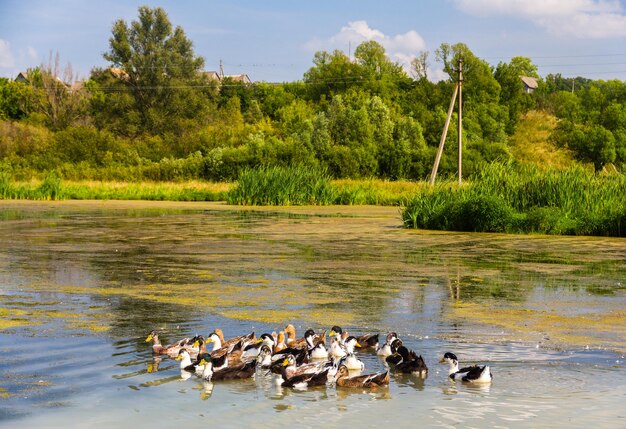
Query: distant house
x: 243, y: 78
x: 220, y: 76
x: 530, y: 84
x: 22, y: 77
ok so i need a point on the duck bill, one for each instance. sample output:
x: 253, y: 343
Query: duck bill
x: 196, y: 344
x: 150, y: 337
x: 358, y: 345
x: 332, y: 333
x: 286, y: 362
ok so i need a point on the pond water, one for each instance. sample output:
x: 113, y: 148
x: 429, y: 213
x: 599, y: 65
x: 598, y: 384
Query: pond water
x: 82, y: 283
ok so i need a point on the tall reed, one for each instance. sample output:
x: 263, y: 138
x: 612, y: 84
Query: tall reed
x: 273, y: 186
x: 503, y: 197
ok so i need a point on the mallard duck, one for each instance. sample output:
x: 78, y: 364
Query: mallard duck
x: 385, y: 349
x: 301, y: 380
x: 478, y: 374
x: 241, y: 370
x: 365, y: 341
x: 298, y: 343
x: 342, y: 379
x: 171, y: 349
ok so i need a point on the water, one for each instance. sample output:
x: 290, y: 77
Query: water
x: 83, y: 283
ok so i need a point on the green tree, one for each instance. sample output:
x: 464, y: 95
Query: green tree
x: 331, y: 74
x: 160, y: 71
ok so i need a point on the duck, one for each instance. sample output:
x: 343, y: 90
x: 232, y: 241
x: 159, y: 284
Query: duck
x: 299, y: 343
x: 294, y: 368
x: 227, y: 343
x: 171, y: 349
x: 264, y: 358
x: 365, y: 341
x: 238, y: 371
x: 251, y: 350
x: 280, y: 342
x: 315, y: 351
x: 301, y: 380
x: 478, y: 374
x: 412, y: 363
x: 185, y: 361
x: 337, y: 349
x: 398, y: 354
x: 233, y: 352
x: 385, y: 349
x: 342, y: 379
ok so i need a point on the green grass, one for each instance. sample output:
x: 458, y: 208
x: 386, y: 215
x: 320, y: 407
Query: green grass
x: 53, y: 188
x: 282, y: 186
x: 504, y: 198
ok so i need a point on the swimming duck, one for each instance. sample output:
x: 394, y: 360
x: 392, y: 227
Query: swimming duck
x: 365, y: 341
x: 280, y: 342
x: 171, y: 349
x: 478, y: 374
x: 399, y: 353
x: 185, y: 361
x: 385, y: 349
x: 252, y: 349
x: 342, y: 379
x: 316, y: 351
x: 301, y: 380
x: 299, y: 343
x: 233, y: 351
x: 238, y: 371
x: 264, y: 358
x: 227, y: 343
x: 412, y: 363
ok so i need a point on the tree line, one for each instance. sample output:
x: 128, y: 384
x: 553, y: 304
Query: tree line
x: 154, y: 113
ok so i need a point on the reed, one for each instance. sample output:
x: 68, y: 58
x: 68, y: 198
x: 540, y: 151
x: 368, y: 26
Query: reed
x: 279, y: 186
x: 507, y: 198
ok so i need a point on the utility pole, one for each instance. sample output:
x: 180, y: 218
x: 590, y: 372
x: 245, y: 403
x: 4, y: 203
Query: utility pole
x: 221, y: 70
x: 444, y: 134
x: 460, y: 132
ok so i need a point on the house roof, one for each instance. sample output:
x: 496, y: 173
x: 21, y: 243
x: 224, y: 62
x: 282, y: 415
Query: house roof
x: 530, y: 82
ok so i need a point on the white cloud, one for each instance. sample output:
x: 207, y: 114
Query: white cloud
x: 6, y: 56
x: 568, y: 18
x: 400, y: 47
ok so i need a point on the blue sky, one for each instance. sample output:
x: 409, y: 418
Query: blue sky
x: 275, y: 40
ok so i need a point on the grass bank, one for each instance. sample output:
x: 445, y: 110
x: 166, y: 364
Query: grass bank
x: 53, y: 188
x: 503, y: 198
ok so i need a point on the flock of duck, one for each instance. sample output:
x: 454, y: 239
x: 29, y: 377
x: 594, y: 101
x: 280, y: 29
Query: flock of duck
x: 304, y: 362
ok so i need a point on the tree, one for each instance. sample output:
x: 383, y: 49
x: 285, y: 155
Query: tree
x: 331, y: 74
x: 160, y: 71
x: 512, y: 89
x: 419, y: 66
x: 57, y: 96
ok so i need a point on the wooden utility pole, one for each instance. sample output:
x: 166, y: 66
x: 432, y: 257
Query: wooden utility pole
x: 460, y: 133
x: 444, y: 134
x: 433, y: 174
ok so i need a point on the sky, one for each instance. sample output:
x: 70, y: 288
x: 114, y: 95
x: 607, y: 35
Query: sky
x: 275, y: 40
